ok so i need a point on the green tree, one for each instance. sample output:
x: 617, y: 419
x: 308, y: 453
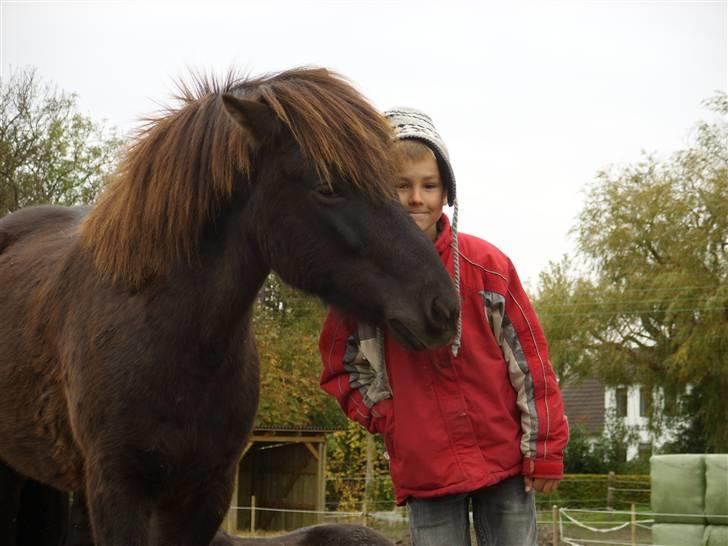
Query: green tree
x: 287, y: 325
x: 347, y: 458
x: 565, y: 308
x: 653, y: 309
x: 49, y: 152
x: 611, y: 448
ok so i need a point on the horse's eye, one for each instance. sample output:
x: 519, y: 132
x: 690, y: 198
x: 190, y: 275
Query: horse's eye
x: 325, y: 191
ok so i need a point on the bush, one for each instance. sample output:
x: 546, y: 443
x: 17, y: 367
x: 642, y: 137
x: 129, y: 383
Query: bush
x: 605, y: 453
x: 591, y: 491
x: 580, y: 456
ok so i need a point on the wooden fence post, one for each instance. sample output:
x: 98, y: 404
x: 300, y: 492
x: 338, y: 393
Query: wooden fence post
x: 610, y: 491
x: 554, y: 526
x: 252, y: 513
x: 368, y: 480
x: 633, y: 517
x: 230, y: 524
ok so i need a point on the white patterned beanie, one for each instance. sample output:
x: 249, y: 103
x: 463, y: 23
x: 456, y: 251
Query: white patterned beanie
x: 409, y: 123
x: 412, y: 124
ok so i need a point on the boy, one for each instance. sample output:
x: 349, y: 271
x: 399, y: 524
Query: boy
x: 478, y: 422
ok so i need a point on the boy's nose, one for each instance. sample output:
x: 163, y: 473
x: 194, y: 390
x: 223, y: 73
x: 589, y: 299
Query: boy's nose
x: 415, y: 196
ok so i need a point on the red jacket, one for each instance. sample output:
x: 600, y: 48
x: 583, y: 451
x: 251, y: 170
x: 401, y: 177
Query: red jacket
x: 456, y: 424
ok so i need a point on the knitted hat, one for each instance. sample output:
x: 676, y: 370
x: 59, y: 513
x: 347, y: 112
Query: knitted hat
x: 409, y: 123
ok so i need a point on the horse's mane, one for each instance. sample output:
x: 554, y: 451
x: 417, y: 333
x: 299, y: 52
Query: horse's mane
x: 181, y: 166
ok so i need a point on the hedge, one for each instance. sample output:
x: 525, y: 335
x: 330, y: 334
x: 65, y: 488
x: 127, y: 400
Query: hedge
x: 590, y: 491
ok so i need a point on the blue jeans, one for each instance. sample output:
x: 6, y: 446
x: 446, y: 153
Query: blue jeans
x: 503, y: 515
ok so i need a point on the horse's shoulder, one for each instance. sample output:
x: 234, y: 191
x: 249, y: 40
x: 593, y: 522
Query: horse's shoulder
x: 20, y: 224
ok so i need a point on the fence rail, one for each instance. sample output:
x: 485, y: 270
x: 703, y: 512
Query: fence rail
x: 565, y: 526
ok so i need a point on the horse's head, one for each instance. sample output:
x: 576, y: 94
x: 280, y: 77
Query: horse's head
x: 326, y: 234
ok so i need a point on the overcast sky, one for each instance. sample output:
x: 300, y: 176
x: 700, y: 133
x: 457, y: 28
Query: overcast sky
x: 532, y: 98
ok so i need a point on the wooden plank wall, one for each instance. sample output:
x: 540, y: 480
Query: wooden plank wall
x: 285, y: 476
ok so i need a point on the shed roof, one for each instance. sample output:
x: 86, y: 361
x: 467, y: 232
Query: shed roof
x: 289, y: 428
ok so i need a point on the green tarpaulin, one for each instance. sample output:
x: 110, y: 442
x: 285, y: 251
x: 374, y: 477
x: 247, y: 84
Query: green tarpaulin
x: 678, y: 488
x: 716, y: 535
x: 716, y: 489
x: 677, y: 534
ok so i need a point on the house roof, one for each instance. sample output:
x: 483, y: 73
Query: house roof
x: 584, y: 404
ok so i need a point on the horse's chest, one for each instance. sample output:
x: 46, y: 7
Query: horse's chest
x: 170, y: 416
x: 209, y: 413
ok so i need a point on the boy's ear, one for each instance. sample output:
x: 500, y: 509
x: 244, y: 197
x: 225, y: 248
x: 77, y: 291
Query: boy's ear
x: 256, y: 118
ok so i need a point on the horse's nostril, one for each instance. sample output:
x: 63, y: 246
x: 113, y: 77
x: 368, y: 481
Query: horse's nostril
x: 440, y: 313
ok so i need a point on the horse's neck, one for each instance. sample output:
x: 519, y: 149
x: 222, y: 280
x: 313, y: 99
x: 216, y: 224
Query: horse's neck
x: 223, y: 286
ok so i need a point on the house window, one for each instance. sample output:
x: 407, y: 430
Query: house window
x: 645, y: 402
x: 621, y: 395
x: 669, y: 403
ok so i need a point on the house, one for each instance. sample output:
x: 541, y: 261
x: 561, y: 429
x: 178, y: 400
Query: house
x: 588, y: 403
x: 585, y: 405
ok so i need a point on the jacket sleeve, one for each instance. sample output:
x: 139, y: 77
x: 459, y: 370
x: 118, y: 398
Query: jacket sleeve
x: 545, y: 430
x: 348, y: 376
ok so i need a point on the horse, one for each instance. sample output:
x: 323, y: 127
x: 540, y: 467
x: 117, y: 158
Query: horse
x: 32, y: 513
x: 334, y: 534
x: 128, y: 369
x: 57, y: 529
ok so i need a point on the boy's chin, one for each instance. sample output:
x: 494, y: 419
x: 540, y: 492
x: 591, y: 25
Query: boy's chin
x: 422, y: 223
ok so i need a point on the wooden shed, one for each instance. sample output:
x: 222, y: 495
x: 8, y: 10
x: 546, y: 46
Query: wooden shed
x: 280, y: 481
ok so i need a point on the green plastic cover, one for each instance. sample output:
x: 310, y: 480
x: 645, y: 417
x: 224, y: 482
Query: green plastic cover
x: 677, y: 534
x: 716, y: 489
x: 716, y: 535
x: 678, y: 488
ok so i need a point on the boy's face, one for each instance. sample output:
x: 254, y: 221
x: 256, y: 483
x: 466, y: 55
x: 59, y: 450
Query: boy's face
x: 422, y: 193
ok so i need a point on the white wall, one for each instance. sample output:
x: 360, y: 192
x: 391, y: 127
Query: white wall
x: 634, y: 420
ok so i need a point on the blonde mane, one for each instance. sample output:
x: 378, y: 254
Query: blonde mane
x: 179, y: 171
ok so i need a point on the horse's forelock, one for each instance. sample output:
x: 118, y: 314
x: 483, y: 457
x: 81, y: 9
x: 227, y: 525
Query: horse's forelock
x: 335, y: 127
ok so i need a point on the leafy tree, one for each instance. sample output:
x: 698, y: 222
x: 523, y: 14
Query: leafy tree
x: 287, y: 325
x: 347, y: 456
x: 564, y: 305
x: 49, y: 152
x: 612, y: 446
x: 654, y: 307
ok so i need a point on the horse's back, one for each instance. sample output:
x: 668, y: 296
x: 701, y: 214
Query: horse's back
x: 32, y: 242
x: 34, y: 221
x: 34, y: 245
x: 316, y: 535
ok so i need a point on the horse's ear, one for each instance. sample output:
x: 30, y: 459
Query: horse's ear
x: 255, y: 117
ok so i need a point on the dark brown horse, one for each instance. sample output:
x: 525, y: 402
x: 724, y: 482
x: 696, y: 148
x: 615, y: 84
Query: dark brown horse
x: 127, y: 364
x: 341, y: 534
